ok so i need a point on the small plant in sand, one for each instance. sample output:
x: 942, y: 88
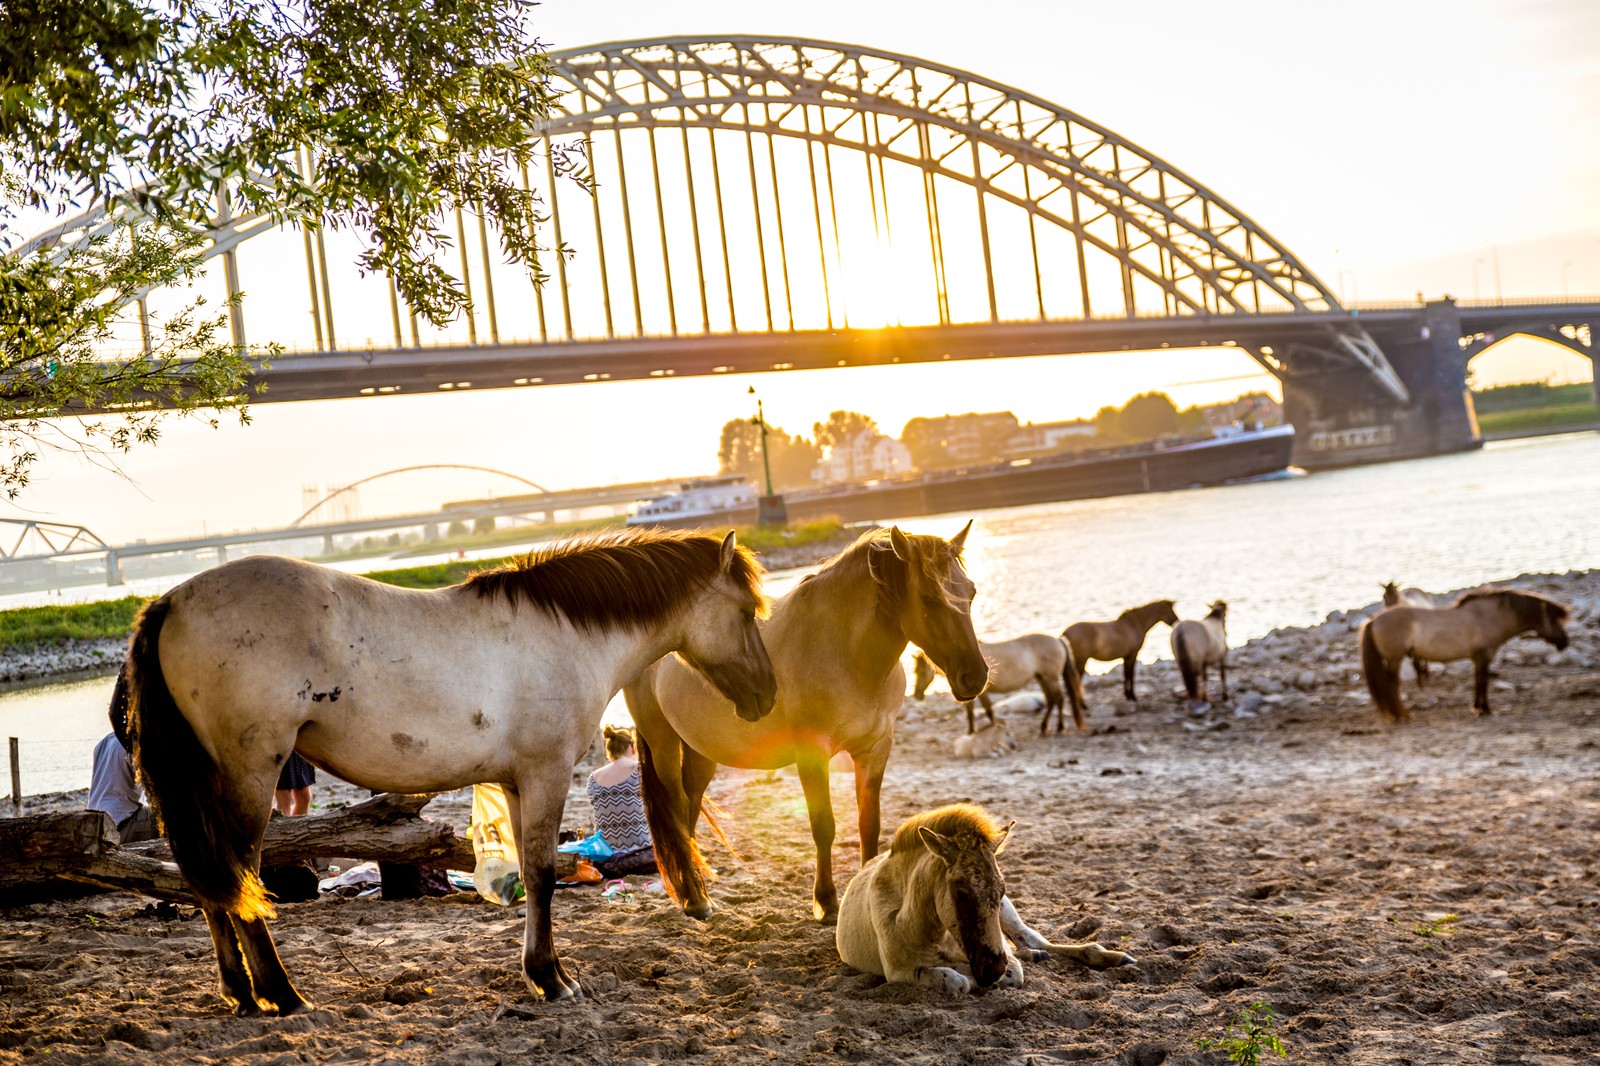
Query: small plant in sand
x: 1434, y: 928
x: 1248, y: 1037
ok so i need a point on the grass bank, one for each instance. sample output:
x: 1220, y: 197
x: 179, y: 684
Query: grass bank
x: 29, y: 626
x: 1554, y: 416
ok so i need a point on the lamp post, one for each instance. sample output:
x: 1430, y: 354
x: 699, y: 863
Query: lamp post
x: 770, y: 509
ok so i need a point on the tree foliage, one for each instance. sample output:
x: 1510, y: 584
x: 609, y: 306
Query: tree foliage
x: 792, y: 458
x: 840, y: 427
x: 1148, y: 416
x: 374, y: 117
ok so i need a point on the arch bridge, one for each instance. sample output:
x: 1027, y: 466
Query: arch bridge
x: 770, y: 203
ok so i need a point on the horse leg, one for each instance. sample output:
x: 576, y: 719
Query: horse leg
x: 971, y: 726
x: 1127, y: 679
x: 1222, y: 675
x: 1053, y: 701
x: 1480, y: 682
x: 271, y: 980
x: 234, y: 984
x: 988, y: 706
x: 538, y: 822
x: 869, y: 786
x: 1421, y: 667
x: 1040, y: 948
x: 813, y: 766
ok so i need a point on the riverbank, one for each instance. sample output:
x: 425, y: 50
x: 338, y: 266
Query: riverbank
x: 1416, y: 893
x: 29, y: 661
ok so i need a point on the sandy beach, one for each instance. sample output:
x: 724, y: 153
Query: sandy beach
x: 1423, y: 893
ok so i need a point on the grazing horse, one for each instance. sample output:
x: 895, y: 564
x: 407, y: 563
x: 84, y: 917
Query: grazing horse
x: 1197, y: 645
x: 1012, y: 664
x: 1121, y: 639
x: 836, y: 640
x: 1395, y: 596
x: 937, y: 900
x: 501, y: 679
x: 1475, y: 627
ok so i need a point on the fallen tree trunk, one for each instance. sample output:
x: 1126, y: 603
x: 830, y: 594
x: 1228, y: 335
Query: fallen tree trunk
x: 81, y: 846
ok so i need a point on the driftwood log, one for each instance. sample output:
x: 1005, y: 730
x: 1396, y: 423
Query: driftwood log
x: 81, y: 846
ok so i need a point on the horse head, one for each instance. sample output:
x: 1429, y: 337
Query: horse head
x: 1391, y: 593
x: 722, y: 639
x: 1552, y: 623
x: 930, y: 595
x: 1165, y: 611
x: 970, y: 891
x: 923, y: 671
x: 1219, y: 610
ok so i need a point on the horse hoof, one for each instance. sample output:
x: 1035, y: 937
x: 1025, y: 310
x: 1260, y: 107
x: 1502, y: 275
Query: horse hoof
x: 298, y: 1007
x: 825, y: 915
x: 700, y: 911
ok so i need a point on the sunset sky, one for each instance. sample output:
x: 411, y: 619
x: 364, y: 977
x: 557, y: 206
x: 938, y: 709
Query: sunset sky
x: 1397, y: 148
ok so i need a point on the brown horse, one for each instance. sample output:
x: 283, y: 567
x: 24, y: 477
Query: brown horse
x: 501, y: 679
x: 1121, y: 639
x: 1197, y: 645
x: 836, y: 642
x: 1475, y: 627
x: 933, y: 910
x: 1395, y: 596
x: 1012, y: 665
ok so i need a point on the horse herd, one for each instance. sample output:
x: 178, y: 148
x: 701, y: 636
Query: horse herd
x: 504, y: 678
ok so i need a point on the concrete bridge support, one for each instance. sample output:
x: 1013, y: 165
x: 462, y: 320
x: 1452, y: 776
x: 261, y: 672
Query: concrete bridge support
x: 1342, y: 418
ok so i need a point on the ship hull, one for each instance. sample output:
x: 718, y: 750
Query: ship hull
x: 1156, y: 469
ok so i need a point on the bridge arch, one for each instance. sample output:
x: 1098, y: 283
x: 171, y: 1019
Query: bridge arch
x: 344, y: 489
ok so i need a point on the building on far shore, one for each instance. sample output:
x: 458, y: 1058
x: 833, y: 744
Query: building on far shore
x: 1047, y: 438
x: 862, y: 456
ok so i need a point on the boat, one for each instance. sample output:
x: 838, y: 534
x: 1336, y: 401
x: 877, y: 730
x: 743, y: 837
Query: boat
x: 729, y: 499
x: 1222, y: 455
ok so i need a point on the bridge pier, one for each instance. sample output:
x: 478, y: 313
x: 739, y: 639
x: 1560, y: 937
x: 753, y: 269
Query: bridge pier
x: 114, y: 569
x: 1341, y: 418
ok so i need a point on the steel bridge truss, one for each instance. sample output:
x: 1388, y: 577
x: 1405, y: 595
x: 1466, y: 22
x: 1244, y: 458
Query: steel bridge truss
x: 995, y: 204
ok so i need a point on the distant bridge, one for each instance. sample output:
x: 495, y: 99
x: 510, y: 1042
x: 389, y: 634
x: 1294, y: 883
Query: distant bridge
x: 776, y: 203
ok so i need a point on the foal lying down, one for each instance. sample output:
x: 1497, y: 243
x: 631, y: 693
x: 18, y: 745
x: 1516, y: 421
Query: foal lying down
x: 932, y: 910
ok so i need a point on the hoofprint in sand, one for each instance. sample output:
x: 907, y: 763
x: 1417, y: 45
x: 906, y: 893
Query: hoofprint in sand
x: 1426, y: 893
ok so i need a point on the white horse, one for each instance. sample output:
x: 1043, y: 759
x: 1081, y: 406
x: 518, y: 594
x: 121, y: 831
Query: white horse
x: 936, y: 901
x: 1197, y: 645
x: 501, y: 679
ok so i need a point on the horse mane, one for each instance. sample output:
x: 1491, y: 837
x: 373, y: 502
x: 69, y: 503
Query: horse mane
x: 1530, y: 607
x: 1136, y: 614
x: 873, y: 556
x: 965, y: 824
x: 632, y: 577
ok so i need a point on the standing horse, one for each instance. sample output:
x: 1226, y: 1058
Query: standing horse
x: 836, y: 642
x: 500, y: 679
x: 1475, y: 627
x: 936, y: 900
x: 1012, y: 664
x: 1395, y: 596
x: 1197, y: 645
x: 1121, y: 639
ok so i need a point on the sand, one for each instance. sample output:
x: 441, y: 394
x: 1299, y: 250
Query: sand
x: 1417, y: 894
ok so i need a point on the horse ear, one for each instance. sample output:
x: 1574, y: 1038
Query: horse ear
x: 960, y: 539
x: 730, y: 550
x: 938, y: 844
x: 898, y: 541
x: 1005, y: 834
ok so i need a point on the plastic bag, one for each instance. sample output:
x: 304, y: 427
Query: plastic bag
x: 593, y: 847
x: 497, y: 876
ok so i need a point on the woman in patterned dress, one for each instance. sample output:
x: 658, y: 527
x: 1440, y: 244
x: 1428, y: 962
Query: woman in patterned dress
x: 619, y: 808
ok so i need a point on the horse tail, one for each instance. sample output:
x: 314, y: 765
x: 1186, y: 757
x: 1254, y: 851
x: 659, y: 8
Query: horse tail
x: 1072, y: 680
x: 683, y: 871
x: 1186, y: 662
x: 213, y: 839
x: 1383, y: 680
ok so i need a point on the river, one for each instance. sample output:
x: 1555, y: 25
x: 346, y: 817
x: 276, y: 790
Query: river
x: 1282, y: 552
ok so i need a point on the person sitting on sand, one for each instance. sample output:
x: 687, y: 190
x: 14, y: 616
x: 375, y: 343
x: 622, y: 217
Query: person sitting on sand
x: 112, y: 787
x: 293, y: 794
x: 619, y: 808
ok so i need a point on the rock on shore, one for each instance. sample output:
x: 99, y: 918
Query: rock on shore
x: 33, y: 662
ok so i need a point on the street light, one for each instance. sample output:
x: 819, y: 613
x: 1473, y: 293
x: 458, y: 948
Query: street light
x: 770, y: 509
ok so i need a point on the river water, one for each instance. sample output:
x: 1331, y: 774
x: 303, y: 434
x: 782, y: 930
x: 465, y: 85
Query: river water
x: 1281, y: 552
